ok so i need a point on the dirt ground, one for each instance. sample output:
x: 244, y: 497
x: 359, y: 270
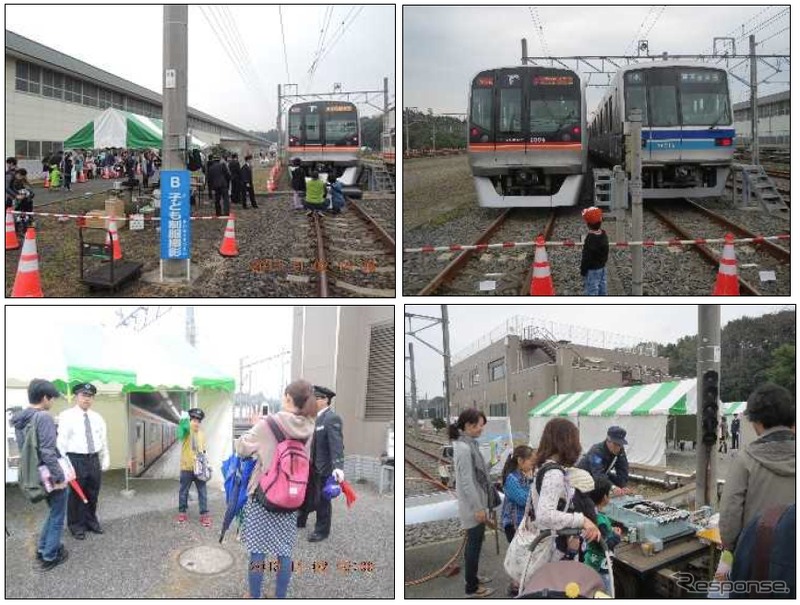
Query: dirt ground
x: 436, y: 190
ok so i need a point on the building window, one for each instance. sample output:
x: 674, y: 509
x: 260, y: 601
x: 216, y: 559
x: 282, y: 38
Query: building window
x: 104, y: 98
x: 28, y: 150
x: 380, y: 381
x: 474, y: 377
x: 73, y: 90
x: 497, y: 370
x: 117, y: 101
x: 498, y: 409
x: 28, y: 77
x: 52, y: 84
x: 89, y: 94
x: 51, y: 147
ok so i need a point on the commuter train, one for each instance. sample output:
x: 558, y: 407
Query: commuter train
x: 687, y: 127
x: 150, y: 436
x: 527, y: 136
x: 326, y: 136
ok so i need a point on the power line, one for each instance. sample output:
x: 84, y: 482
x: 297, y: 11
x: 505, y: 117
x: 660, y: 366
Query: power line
x: 658, y: 16
x: 240, y: 55
x: 641, y: 27
x: 224, y: 44
x: 243, y: 52
x: 775, y: 34
x: 763, y: 24
x: 537, y: 25
x: 344, y: 27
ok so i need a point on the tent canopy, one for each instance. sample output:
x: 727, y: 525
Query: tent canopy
x: 665, y: 398
x: 135, y: 362
x: 122, y: 129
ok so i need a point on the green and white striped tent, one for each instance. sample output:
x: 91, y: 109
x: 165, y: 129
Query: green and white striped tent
x: 121, y: 129
x: 643, y: 410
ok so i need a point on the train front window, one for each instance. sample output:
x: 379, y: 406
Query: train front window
x: 704, y: 98
x: 341, y: 129
x: 662, y: 92
x: 481, y: 110
x: 635, y: 97
x: 552, y: 115
x: 510, y: 110
x: 312, y: 128
x: 295, y: 125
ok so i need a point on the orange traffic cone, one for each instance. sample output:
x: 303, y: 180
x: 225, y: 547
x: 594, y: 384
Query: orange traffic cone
x: 271, y: 186
x: 727, y: 277
x: 28, y: 284
x: 47, y: 181
x: 112, y: 240
x: 541, y: 282
x: 81, y: 177
x: 12, y: 243
x: 229, y: 246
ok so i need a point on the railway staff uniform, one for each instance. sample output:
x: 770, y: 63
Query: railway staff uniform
x: 327, y: 456
x: 608, y: 458
x: 247, y: 183
x: 82, y: 436
x: 193, y: 443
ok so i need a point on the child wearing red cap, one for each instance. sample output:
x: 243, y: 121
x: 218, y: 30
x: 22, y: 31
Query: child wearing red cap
x: 595, y: 254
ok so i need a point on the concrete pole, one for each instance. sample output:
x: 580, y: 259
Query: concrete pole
x: 408, y: 145
x: 446, y: 358
x: 176, y: 60
x: 281, y: 150
x: 385, y: 95
x: 708, y: 366
x: 753, y: 103
x: 620, y: 202
x: 414, y: 409
x: 524, y: 50
x: 637, y: 212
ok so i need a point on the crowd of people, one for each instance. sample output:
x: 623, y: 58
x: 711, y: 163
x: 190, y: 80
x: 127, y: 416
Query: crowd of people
x: 63, y: 168
x: 306, y: 418
x: 553, y: 503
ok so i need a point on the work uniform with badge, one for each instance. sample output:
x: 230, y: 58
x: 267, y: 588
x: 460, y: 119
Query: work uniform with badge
x: 327, y: 456
x: 82, y: 436
x: 608, y: 459
x: 192, y: 450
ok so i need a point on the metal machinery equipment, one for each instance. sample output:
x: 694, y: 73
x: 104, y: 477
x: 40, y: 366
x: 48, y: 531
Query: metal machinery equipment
x: 650, y: 521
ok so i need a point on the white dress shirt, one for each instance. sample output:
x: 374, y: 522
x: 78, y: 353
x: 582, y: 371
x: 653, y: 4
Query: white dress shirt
x: 72, y: 434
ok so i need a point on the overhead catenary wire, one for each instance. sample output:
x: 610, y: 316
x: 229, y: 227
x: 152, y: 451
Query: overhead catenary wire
x: 638, y: 31
x: 283, y: 39
x: 241, y: 55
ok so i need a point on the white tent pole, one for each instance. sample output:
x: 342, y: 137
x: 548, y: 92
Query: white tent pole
x: 127, y: 492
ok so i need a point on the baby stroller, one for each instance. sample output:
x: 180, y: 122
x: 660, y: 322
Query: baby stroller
x: 565, y: 579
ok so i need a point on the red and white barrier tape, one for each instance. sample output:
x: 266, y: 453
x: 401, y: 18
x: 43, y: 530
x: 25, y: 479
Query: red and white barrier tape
x: 121, y: 220
x: 572, y: 244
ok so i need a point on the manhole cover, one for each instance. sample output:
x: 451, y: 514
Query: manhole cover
x: 206, y: 560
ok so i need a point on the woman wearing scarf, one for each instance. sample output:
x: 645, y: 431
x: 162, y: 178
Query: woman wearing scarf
x: 473, y: 491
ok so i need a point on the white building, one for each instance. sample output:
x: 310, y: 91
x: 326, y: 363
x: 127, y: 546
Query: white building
x: 773, y: 119
x: 50, y: 95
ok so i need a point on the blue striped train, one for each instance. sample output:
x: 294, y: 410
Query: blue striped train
x: 687, y: 127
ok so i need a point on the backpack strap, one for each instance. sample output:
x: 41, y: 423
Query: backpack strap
x: 547, y: 466
x: 276, y: 429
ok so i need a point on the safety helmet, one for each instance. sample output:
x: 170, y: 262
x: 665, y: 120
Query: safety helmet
x: 592, y: 215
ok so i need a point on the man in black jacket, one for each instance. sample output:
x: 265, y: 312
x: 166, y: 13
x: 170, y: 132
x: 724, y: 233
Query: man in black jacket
x: 41, y: 394
x: 236, y: 180
x: 327, y: 456
x: 247, y: 183
x: 608, y: 459
x: 218, y: 179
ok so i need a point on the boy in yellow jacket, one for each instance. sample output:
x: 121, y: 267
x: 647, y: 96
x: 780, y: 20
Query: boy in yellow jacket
x: 193, y: 444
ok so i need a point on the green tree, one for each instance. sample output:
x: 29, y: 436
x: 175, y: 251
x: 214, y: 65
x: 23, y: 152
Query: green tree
x: 371, y: 128
x: 782, y: 369
x: 438, y: 424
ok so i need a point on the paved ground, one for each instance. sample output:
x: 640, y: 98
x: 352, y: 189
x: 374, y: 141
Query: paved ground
x: 137, y: 556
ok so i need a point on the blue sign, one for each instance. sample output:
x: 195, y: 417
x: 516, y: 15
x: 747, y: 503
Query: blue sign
x: 176, y: 230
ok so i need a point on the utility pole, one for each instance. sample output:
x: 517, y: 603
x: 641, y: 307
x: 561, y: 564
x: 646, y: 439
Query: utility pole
x: 191, y: 329
x: 175, y: 85
x: 708, y: 380
x: 634, y: 156
x: 281, y: 150
x: 753, y: 102
x: 414, y: 410
x: 385, y: 95
x: 446, y: 359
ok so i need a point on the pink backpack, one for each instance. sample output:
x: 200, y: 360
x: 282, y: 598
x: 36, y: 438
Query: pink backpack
x: 283, y: 487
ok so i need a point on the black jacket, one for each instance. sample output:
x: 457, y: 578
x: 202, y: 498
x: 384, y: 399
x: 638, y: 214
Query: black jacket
x: 48, y: 452
x: 218, y: 175
x: 236, y: 171
x: 247, y: 173
x: 299, y: 179
x: 595, y: 252
x: 327, y: 449
x: 598, y: 462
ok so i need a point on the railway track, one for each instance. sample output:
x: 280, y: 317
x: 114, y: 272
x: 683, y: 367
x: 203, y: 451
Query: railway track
x: 690, y: 221
x: 346, y: 255
x: 491, y: 271
x: 426, y: 466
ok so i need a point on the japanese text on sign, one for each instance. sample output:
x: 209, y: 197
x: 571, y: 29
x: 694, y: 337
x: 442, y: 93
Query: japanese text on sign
x: 175, y: 222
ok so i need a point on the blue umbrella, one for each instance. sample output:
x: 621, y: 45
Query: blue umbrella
x: 237, y: 473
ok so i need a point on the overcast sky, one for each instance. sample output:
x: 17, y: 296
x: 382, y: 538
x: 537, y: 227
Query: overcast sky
x: 469, y: 323
x: 445, y: 46
x: 127, y: 41
x: 224, y: 334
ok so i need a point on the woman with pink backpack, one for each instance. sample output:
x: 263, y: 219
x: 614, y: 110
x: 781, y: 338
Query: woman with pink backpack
x: 281, y: 444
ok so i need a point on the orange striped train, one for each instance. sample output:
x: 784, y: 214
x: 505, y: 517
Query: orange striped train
x: 527, y: 136
x: 326, y: 136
